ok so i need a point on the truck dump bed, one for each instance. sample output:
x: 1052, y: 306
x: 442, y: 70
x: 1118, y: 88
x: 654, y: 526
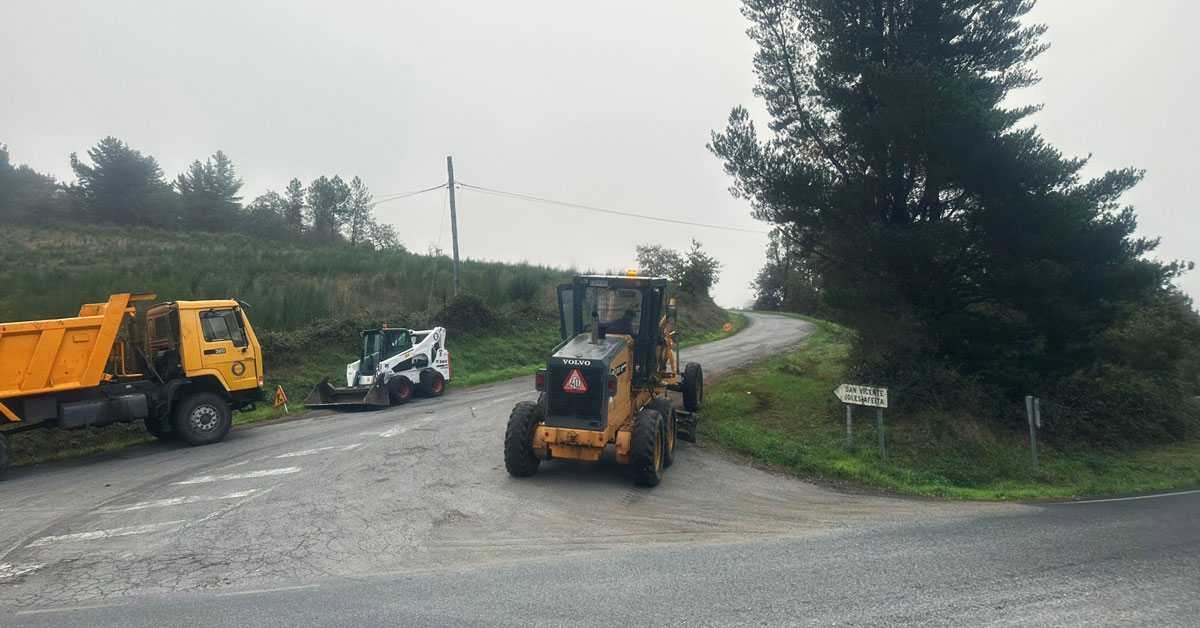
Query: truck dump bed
x: 38, y: 357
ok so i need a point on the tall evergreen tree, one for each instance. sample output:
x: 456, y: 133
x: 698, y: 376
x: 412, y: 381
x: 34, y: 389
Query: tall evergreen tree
x: 209, y: 192
x: 123, y: 186
x: 936, y: 222
x: 328, y: 207
x: 293, y: 215
x: 359, y: 219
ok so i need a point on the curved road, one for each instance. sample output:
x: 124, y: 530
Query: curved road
x: 405, y: 516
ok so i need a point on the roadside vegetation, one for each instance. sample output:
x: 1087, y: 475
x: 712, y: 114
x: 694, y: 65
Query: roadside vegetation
x: 781, y: 411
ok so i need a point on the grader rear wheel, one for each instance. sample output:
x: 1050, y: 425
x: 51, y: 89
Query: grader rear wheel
x: 667, y: 410
x: 646, y: 448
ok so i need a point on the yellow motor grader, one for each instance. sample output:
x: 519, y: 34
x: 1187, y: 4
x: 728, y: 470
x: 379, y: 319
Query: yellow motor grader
x: 607, y: 382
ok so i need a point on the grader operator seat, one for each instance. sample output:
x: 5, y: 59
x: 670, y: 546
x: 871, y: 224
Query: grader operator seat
x: 628, y: 306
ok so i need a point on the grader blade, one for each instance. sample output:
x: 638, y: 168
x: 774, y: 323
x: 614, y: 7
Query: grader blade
x: 326, y: 396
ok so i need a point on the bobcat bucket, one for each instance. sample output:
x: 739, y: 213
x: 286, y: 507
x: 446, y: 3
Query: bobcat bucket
x: 326, y: 396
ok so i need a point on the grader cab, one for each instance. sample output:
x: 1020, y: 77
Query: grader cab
x: 607, y: 383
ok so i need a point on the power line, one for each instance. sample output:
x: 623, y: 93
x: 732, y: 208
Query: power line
x: 547, y: 201
x: 399, y: 195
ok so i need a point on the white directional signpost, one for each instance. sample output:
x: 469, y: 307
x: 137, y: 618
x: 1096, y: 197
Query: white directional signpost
x: 869, y: 396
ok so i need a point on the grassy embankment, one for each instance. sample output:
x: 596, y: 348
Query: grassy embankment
x: 782, y: 411
x: 307, y: 305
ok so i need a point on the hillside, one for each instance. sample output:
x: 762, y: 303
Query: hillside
x: 307, y: 304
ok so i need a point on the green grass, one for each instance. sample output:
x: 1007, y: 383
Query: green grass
x: 49, y: 273
x: 782, y: 411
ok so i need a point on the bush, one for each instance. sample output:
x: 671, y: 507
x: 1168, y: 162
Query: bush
x: 1118, y: 406
x: 466, y: 313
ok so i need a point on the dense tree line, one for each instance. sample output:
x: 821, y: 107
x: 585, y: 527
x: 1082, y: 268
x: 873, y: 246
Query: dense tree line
x: 117, y: 184
x: 693, y: 270
x: 971, y: 256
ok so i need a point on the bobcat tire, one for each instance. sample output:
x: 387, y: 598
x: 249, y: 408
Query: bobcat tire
x: 693, y: 387
x: 667, y: 410
x: 519, y: 458
x: 646, y: 448
x: 5, y: 453
x: 400, y: 390
x: 201, y: 419
x: 432, y: 383
x: 158, y: 430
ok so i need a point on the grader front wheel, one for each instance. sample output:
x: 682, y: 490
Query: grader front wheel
x: 518, y: 440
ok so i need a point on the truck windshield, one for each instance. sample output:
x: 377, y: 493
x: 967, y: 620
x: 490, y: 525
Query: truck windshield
x: 219, y: 325
x: 620, y: 308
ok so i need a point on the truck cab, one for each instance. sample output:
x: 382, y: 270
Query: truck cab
x: 209, y: 342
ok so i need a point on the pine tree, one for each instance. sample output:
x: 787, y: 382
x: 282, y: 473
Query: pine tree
x: 209, y: 192
x: 124, y: 186
x: 359, y: 221
x: 935, y: 219
x: 328, y: 207
x: 293, y: 215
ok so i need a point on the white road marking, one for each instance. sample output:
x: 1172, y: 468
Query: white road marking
x: 1125, y: 499
x: 62, y: 609
x: 399, y: 429
x: 12, y: 571
x: 230, y: 508
x: 176, y: 501
x: 241, y: 476
x: 105, y: 534
x: 309, y: 452
x: 299, y: 587
x: 395, y: 431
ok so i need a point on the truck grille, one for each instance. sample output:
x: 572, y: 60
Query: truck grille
x: 586, y: 405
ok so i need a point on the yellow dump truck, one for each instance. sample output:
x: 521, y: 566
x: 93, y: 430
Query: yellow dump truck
x: 183, y: 369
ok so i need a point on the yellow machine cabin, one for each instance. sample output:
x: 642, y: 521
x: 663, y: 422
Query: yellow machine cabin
x: 183, y: 371
x: 608, y: 382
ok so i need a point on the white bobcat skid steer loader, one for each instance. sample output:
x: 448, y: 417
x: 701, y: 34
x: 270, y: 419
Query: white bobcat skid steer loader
x: 394, y: 365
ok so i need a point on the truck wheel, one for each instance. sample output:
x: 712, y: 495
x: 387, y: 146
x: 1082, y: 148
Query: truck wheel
x: 399, y: 389
x: 518, y: 440
x: 433, y: 383
x: 158, y: 430
x: 5, y: 453
x: 667, y: 410
x: 646, y: 448
x: 202, y: 419
x: 693, y: 387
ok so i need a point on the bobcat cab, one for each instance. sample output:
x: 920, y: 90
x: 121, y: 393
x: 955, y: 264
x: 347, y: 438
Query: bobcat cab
x: 607, y: 382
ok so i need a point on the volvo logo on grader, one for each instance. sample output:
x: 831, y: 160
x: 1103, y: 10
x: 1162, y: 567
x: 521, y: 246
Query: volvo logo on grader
x: 574, y: 382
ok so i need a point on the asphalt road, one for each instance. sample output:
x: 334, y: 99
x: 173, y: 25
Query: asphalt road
x: 406, y: 517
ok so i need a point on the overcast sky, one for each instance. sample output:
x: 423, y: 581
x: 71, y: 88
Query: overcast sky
x: 606, y: 104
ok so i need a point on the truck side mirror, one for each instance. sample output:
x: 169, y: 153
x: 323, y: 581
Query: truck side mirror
x: 672, y: 314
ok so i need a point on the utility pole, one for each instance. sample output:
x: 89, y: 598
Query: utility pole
x: 453, y: 222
